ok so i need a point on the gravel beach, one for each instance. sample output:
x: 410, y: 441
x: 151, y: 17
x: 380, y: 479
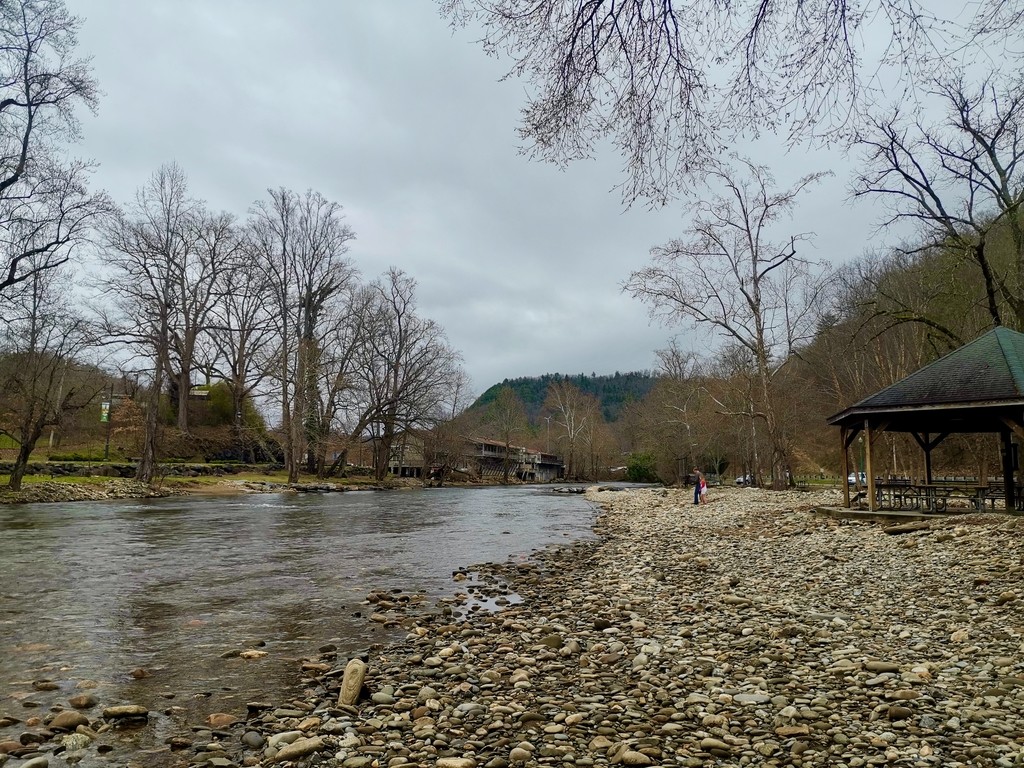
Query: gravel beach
x: 749, y: 631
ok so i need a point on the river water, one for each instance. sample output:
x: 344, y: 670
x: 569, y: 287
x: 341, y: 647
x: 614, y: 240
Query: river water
x: 90, y: 592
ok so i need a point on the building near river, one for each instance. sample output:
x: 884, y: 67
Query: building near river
x: 411, y: 456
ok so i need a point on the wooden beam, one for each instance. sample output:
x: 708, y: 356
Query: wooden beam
x: 851, y: 435
x: 1009, y: 487
x: 844, y: 464
x: 872, y: 501
x: 927, y: 447
x: 1013, y: 424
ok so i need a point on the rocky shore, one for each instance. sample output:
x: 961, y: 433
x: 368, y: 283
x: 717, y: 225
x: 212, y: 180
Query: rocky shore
x: 106, y: 490
x: 749, y: 631
x: 35, y: 493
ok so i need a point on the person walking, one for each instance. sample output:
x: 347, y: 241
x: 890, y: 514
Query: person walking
x: 698, y: 484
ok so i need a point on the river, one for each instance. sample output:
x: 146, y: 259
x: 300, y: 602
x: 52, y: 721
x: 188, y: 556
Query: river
x: 91, y: 592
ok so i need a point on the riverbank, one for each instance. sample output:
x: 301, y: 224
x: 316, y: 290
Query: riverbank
x: 746, y: 632
x: 749, y: 631
x: 102, y: 489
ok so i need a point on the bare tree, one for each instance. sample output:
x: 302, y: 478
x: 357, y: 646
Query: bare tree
x: 240, y: 331
x: 506, y: 416
x: 409, y: 369
x: 45, y: 207
x: 730, y: 277
x: 42, y: 379
x: 573, y: 411
x: 347, y: 321
x: 962, y: 181
x: 146, y: 247
x: 670, y: 83
x: 210, y: 243
x: 303, y: 241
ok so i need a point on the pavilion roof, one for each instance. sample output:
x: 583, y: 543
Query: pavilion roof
x: 988, y: 371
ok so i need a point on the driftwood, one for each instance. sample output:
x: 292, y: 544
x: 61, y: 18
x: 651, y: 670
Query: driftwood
x: 906, y: 528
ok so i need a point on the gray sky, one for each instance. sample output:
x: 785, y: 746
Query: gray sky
x: 379, y: 106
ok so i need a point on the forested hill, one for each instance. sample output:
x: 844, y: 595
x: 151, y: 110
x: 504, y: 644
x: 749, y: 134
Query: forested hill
x: 612, y: 392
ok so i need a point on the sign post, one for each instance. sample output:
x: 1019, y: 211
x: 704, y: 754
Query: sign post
x: 105, y: 419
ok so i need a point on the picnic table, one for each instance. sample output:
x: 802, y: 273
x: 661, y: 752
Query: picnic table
x: 935, y: 496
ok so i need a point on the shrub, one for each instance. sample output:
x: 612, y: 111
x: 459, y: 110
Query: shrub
x: 640, y: 468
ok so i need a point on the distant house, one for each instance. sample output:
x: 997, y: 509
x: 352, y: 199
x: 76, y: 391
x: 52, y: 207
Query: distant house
x: 480, y: 457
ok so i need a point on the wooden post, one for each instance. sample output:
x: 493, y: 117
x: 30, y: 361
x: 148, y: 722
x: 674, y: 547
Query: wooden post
x: 1009, y: 489
x: 872, y: 502
x: 927, y: 459
x: 844, y: 465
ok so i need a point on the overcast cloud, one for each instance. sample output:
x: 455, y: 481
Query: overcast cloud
x: 382, y: 108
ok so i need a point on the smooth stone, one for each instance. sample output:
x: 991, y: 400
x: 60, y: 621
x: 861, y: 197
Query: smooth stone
x: 68, y: 721
x: 286, y: 737
x: 75, y: 741
x: 710, y: 743
x: 751, y: 698
x: 299, y: 748
x: 125, y: 711
x: 455, y: 762
x: 83, y: 701
x: 220, y: 720
x: 632, y: 757
x: 352, y: 682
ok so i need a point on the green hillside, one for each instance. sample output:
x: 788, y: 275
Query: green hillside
x: 613, y: 392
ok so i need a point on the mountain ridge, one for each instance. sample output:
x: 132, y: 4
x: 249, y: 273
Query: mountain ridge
x: 613, y: 391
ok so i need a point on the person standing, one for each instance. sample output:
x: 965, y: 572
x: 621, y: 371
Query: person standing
x: 698, y: 483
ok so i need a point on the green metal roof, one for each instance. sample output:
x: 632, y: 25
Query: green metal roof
x: 989, y: 369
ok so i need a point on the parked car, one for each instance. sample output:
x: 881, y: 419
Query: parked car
x: 745, y: 480
x: 854, y: 477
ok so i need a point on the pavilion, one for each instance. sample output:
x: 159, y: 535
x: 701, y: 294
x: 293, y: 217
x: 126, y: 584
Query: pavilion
x: 978, y: 388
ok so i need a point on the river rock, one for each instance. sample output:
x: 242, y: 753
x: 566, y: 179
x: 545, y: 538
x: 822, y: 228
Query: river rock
x: 73, y: 742
x: 519, y: 755
x: 126, y: 712
x: 299, y: 748
x: 68, y: 721
x: 83, y: 701
x: 352, y: 682
x: 220, y: 720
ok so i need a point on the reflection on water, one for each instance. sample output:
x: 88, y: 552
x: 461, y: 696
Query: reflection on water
x: 92, y: 591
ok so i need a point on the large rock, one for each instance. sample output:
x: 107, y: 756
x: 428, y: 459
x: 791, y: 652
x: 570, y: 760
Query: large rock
x: 126, y: 712
x: 220, y: 720
x: 352, y: 682
x: 300, y: 748
x: 68, y: 721
x: 83, y: 701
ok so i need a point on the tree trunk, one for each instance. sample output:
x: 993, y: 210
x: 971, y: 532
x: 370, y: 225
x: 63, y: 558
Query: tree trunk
x: 30, y: 434
x: 506, y: 465
x: 147, y: 461
x: 184, y: 387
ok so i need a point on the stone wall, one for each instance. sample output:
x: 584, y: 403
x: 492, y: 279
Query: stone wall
x: 127, y: 470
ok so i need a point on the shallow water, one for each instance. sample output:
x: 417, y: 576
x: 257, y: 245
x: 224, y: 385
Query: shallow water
x: 91, y: 591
